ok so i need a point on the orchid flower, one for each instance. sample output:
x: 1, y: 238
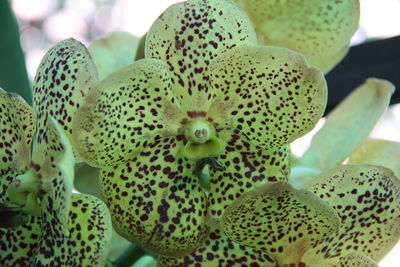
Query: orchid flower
x: 57, y: 228
x: 319, y: 29
x: 348, y: 216
x: 205, y: 94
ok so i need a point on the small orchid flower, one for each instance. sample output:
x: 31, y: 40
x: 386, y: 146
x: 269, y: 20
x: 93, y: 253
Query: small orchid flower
x: 300, y: 228
x: 319, y: 29
x: 59, y: 228
x: 205, y: 93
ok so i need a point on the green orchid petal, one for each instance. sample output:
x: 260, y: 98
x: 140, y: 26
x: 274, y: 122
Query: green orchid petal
x: 246, y: 167
x: 16, y: 133
x: 351, y: 260
x: 18, y: 246
x: 378, y: 152
x: 42, y: 242
x: 90, y: 231
x: 218, y: 250
x: 113, y: 52
x: 125, y: 112
x: 187, y: 36
x: 319, y: 29
x: 57, y: 177
x: 270, y: 94
x: 64, y: 77
x: 155, y: 201
x: 348, y: 125
x: 283, y: 221
x: 367, y: 198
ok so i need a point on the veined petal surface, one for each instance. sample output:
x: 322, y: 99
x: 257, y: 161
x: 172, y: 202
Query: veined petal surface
x: 319, y: 29
x: 350, y: 260
x: 246, y: 167
x: 126, y: 112
x: 270, y: 94
x: 187, y: 36
x: 64, y: 76
x: 218, y: 250
x: 155, y: 201
x: 281, y: 220
x: 367, y: 198
x: 348, y: 125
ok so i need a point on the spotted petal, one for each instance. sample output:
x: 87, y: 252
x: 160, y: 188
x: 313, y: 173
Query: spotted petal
x: 351, y: 260
x: 367, y: 198
x: 270, y: 94
x: 155, y: 201
x: 319, y: 29
x: 187, y: 36
x: 378, y: 152
x: 348, y: 125
x: 246, y: 167
x: 219, y: 251
x: 126, y: 111
x: 113, y: 52
x: 281, y: 220
x: 64, y: 77
x: 16, y: 133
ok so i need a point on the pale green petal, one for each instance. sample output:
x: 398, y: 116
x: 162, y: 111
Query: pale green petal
x: 90, y: 232
x: 16, y: 133
x: 218, y: 250
x: 319, y: 29
x: 155, y: 201
x: 125, y: 112
x: 283, y: 221
x: 350, y: 260
x: 270, y: 94
x: 64, y: 77
x: 18, y: 245
x: 187, y: 36
x: 378, y: 152
x: 246, y: 167
x: 367, y: 198
x: 113, y: 52
x: 348, y: 125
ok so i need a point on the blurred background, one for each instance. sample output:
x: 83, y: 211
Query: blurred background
x: 43, y: 23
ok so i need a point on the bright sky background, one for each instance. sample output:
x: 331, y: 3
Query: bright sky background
x: 46, y: 22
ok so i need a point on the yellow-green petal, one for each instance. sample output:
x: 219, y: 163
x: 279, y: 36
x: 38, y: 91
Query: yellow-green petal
x: 348, y: 125
x: 126, y: 112
x: 378, y: 152
x: 246, y: 167
x: 155, y: 201
x: 90, y: 231
x: 367, y: 198
x: 187, y: 36
x: 18, y: 245
x: 281, y: 220
x: 319, y: 29
x: 65, y: 75
x: 350, y: 260
x: 113, y: 52
x: 270, y: 94
x: 218, y: 250
x: 16, y: 132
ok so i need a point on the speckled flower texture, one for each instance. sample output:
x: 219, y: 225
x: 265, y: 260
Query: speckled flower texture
x: 47, y: 225
x: 348, y: 216
x: 206, y: 91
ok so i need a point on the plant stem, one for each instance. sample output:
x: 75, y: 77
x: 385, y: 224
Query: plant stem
x: 129, y: 256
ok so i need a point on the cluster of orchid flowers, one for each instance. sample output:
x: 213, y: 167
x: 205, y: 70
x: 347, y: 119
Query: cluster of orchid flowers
x: 220, y: 91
